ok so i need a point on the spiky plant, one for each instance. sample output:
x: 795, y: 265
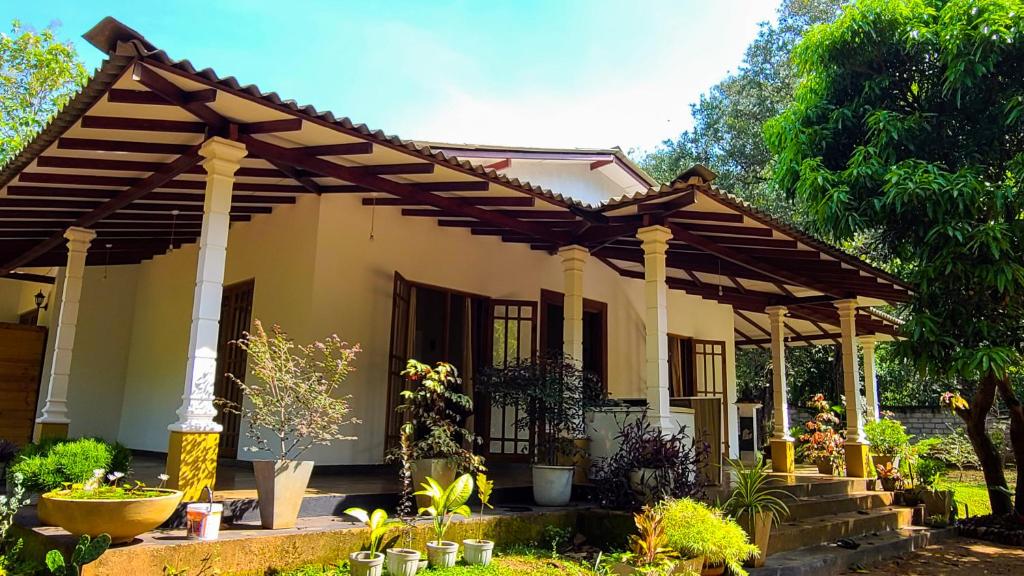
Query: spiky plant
x: 752, y: 494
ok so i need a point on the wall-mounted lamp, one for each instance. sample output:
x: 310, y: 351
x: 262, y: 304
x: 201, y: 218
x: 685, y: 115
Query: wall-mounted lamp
x: 40, y: 299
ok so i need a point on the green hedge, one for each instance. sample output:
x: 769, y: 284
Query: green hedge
x: 50, y: 464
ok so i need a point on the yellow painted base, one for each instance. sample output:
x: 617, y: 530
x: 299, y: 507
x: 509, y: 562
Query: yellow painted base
x: 47, y: 430
x: 192, y: 462
x: 858, y: 460
x: 783, y: 459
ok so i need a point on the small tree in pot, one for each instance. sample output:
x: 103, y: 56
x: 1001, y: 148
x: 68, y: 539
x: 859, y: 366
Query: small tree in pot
x: 292, y: 407
x: 440, y: 445
x: 551, y: 394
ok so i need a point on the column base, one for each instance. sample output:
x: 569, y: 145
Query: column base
x: 192, y: 462
x: 783, y: 456
x: 48, y: 430
x: 858, y: 460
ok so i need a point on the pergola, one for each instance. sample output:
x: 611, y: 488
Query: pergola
x: 154, y: 154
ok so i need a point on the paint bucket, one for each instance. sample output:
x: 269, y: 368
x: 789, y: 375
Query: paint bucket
x: 203, y: 519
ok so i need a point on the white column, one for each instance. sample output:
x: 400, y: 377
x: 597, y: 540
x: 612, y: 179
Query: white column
x: 55, y: 411
x: 573, y: 260
x: 655, y: 244
x: 780, y: 402
x: 851, y: 375
x: 871, y: 400
x: 197, y: 410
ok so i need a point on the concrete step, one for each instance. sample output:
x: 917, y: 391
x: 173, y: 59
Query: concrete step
x: 830, y: 560
x: 801, y: 487
x: 794, y: 534
x: 805, y: 508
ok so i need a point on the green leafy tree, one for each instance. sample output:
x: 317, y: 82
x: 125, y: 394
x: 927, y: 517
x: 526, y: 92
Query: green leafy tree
x: 908, y: 126
x: 38, y: 75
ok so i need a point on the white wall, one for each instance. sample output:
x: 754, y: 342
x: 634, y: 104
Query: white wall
x: 17, y: 297
x: 574, y: 179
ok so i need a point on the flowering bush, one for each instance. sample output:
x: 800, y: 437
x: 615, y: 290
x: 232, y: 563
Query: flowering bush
x: 821, y: 441
x: 293, y: 398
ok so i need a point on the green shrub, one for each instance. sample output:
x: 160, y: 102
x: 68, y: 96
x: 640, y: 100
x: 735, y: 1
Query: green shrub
x: 695, y: 529
x: 927, y: 471
x: 887, y: 437
x: 51, y: 464
x: 955, y: 449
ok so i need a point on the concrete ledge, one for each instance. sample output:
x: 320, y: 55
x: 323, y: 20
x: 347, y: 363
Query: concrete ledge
x: 248, y: 550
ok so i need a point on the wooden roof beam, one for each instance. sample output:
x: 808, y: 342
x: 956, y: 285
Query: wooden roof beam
x: 496, y: 201
x: 197, y: 197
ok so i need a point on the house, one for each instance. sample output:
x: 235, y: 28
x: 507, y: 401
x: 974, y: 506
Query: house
x: 176, y: 206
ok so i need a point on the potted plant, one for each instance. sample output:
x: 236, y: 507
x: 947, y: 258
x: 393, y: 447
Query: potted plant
x: 436, y: 409
x: 106, y: 504
x: 370, y: 562
x: 292, y: 406
x: 649, y: 551
x: 889, y: 476
x: 888, y: 439
x: 479, y: 550
x: 696, y: 531
x: 551, y: 394
x: 755, y: 504
x: 445, y: 503
x: 822, y: 443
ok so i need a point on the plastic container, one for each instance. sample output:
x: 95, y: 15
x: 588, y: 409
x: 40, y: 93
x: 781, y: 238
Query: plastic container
x: 203, y: 519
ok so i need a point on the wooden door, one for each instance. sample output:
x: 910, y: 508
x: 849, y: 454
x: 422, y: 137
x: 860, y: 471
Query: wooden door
x: 398, y: 355
x: 235, y: 318
x: 513, y: 338
x: 710, y: 382
x: 21, y: 367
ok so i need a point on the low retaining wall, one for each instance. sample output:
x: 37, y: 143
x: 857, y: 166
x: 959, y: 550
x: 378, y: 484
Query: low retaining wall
x: 921, y: 422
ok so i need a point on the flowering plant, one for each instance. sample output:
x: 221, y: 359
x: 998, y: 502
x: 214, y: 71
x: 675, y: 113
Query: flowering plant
x: 292, y: 401
x: 822, y: 442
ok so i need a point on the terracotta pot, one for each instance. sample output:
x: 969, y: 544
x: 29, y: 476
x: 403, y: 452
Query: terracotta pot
x: 758, y: 529
x: 442, y: 554
x: 713, y: 570
x: 825, y: 467
x: 366, y: 563
x: 440, y: 469
x: 280, y: 486
x: 477, y: 551
x: 882, y: 460
x: 552, y: 485
x: 402, y: 561
x: 122, y: 519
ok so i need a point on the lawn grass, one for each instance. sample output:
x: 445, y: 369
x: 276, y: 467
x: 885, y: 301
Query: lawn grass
x: 513, y: 563
x: 970, y: 491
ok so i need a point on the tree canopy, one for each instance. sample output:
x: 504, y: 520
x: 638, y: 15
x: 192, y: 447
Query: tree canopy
x: 907, y: 126
x: 38, y: 75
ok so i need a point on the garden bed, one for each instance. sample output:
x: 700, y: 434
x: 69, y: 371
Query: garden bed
x: 999, y: 529
x: 515, y: 562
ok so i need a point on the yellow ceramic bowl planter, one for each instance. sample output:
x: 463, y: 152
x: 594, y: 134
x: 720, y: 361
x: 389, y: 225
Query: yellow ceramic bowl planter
x: 123, y: 519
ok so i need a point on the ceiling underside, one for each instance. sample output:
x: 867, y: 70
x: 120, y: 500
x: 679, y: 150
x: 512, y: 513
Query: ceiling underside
x: 123, y: 160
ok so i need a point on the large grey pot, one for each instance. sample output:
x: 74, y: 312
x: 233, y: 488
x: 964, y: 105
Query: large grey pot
x: 552, y: 485
x: 280, y: 486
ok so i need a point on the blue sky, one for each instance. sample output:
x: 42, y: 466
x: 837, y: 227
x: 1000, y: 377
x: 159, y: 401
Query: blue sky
x: 525, y: 72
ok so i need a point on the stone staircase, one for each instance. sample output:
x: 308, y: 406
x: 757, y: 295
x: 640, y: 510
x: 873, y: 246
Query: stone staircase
x: 824, y: 510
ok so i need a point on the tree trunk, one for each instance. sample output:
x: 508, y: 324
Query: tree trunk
x: 1016, y: 411
x: 991, y: 461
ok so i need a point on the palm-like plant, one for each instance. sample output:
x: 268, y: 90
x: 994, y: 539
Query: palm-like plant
x: 378, y: 523
x: 446, y: 502
x: 752, y: 495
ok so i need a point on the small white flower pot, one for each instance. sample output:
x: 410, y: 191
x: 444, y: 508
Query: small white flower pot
x: 402, y: 561
x: 442, y: 554
x: 477, y: 551
x: 366, y: 563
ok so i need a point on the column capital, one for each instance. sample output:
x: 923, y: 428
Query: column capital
x: 848, y: 306
x: 222, y: 156
x: 776, y: 313
x: 654, y: 236
x: 868, y: 340
x: 78, y: 234
x: 573, y: 253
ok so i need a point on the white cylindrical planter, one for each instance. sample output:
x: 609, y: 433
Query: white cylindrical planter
x: 477, y: 551
x: 552, y: 485
x: 366, y: 563
x: 402, y: 561
x: 442, y: 554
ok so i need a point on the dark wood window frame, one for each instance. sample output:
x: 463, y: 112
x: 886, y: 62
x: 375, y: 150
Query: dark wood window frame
x: 592, y: 306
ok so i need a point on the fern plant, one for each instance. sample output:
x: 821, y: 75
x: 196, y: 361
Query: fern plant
x: 446, y: 502
x: 378, y: 523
